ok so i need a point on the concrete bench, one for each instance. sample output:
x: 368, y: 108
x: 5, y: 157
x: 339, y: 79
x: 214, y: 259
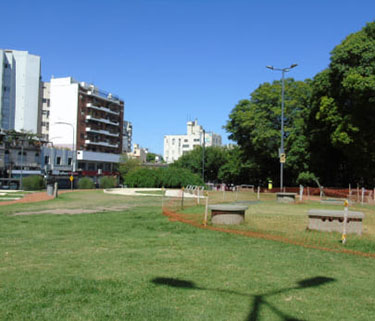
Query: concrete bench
x: 227, y: 213
x: 286, y: 197
x: 333, y: 201
x: 333, y: 221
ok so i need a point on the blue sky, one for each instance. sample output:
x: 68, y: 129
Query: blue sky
x: 174, y: 61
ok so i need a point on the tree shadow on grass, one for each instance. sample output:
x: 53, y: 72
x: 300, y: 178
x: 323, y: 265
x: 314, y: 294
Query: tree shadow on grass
x: 258, y: 300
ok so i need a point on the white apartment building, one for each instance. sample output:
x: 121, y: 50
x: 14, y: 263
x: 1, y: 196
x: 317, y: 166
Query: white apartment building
x: 87, y: 120
x: 176, y: 145
x: 19, y: 90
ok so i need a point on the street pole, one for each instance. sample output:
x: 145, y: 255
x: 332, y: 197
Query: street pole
x: 21, y: 173
x: 281, y: 152
x: 282, y: 130
x: 203, y: 152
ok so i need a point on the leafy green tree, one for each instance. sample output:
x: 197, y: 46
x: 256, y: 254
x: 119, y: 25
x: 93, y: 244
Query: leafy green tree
x: 342, y: 122
x: 255, y: 125
x: 127, y: 164
x: 214, y: 158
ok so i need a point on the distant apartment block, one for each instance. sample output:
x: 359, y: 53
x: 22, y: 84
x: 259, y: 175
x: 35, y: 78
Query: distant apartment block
x: 138, y: 153
x: 19, y: 90
x: 127, y: 135
x: 44, y: 109
x: 88, y: 120
x: 176, y: 145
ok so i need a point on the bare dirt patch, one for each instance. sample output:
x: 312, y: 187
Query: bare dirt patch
x: 75, y: 211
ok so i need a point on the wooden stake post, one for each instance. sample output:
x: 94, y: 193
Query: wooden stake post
x: 206, y: 211
x: 343, y: 238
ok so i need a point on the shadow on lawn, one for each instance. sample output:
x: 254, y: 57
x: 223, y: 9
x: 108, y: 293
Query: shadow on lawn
x: 258, y: 300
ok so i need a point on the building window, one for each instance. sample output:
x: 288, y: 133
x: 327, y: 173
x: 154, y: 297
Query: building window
x: 185, y: 146
x: 173, y: 141
x: 58, y: 160
x: 69, y: 161
x: 46, y: 159
x: 20, y: 158
x: 186, y: 140
x: 196, y: 139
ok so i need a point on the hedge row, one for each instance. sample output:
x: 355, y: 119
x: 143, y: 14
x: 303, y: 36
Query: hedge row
x: 161, y: 177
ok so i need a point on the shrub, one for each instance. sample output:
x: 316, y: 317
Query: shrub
x: 33, y: 183
x: 86, y: 183
x: 167, y: 177
x: 142, y: 177
x: 107, y: 182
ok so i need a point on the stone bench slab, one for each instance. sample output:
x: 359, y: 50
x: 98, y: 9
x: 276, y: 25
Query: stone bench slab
x: 333, y: 221
x: 227, y: 213
x: 286, y: 197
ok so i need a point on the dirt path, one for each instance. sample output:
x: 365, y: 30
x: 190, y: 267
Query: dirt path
x: 32, y: 198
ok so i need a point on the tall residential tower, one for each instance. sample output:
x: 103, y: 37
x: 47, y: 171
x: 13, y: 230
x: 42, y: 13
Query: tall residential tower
x: 19, y: 90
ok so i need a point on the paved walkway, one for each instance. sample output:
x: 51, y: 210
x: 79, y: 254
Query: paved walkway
x: 30, y: 198
x: 135, y: 192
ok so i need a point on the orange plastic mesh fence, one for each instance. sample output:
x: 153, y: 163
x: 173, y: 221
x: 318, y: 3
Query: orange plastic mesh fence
x: 265, y: 218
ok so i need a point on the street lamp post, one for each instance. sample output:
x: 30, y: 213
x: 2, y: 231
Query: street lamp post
x: 283, y: 71
x: 203, y: 152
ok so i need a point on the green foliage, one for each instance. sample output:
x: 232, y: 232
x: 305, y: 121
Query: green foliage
x: 107, y: 182
x: 33, y: 183
x: 306, y: 178
x: 86, y: 183
x: 127, y: 164
x: 255, y: 125
x: 161, y: 177
x: 342, y: 124
x: 215, y: 157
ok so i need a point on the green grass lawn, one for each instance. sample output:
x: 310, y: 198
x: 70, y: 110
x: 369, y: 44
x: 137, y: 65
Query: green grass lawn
x: 133, y: 264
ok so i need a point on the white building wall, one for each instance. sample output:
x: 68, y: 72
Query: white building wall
x: 21, y: 79
x: 63, y: 108
x: 176, y: 145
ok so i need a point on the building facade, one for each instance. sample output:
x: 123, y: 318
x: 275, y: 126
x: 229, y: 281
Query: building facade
x: 19, y: 90
x: 88, y: 121
x: 138, y: 153
x: 176, y: 145
x: 44, y: 109
x: 127, y: 137
x: 20, y: 156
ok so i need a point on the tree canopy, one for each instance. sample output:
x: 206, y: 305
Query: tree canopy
x: 329, y: 121
x: 255, y: 125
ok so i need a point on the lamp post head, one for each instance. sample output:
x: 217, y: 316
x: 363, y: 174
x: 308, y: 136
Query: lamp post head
x: 270, y: 67
x: 293, y: 66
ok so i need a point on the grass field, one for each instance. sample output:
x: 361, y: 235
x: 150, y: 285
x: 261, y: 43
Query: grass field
x: 128, y: 262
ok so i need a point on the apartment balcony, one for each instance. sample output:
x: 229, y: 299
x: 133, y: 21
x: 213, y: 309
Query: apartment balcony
x: 107, y: 97
x: 103, y: 144
x: 102, y: 108
x: 100, y: 131
x: 102, y: 120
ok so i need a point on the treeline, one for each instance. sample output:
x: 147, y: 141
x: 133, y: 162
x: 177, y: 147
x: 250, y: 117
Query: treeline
x: 329, y: 122
x: 329, y: 126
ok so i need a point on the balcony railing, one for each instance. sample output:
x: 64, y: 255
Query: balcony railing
x: 105, y: 96
x: 100, y: 131
x: 102, y: 120
x: 102, y: 108
x: 104, y: 144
